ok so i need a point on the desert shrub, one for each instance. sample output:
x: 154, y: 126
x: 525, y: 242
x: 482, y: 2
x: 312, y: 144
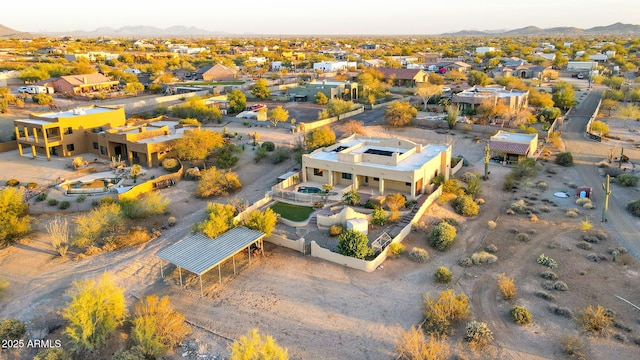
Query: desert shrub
x: 627, y: 180
x: 268, y: 145
x: 32, y: 185
x: 451, y: 221
x: 492, y: 224
x: 585, y: 225
x: 413, y: 345
x: 589, y: 206
x: 336, y: 230
x: 583, y: 245
x: 634, y: 208
x: 53, y: 202
x: 483, y: 257
x: 571, y: 213
x: 564, y: 159
x: 561, y: 286
x: 542, y: 185
x: 533, y: 218
x: 92, y: 250
x: 451, y: 186
x: 596, y: 320
x: 41, y: 197
x: 170, y: 164
x: 148, y: 204
x: 520, y: 207
x: 582, y: 201
x: 465, y: 206
x: 465, y: 262
x: 13, y: 182
x: 355, y: 244
x: 561, y: 311
x: 491, y: 248
x: 12, y: 329
x: 599, y: 127
x: 549, y: 275
x: 396, y: 249
x: 52, y: 354
x: 440, y: 313
x: 522, y: 237
x: 620, y: 337
x: 280, y: 155
x: 157, y: 326
x: 478, y: 334
x: 81, y: 198
x: 596, y: 257
x: 442, y: 236
x: 520, y: 315
x: 545, y: 295
x: 64, y: 205
x: 443, y: 275
x: 254, y: 345
x: 215, y: 182
x: 419, y: 254
x: 573, y: 347
x: 92, y: 225
x: 547, y: 261
x: 192, y: 174
x: 507, y: 287
x: 379, y: 216
x: 135, y: 236
x: 467, y: 176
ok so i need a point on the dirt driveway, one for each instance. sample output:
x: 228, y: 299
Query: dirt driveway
x: 320, y: 310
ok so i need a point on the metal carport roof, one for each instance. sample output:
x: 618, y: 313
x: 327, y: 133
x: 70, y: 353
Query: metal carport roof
x: 199, y: 253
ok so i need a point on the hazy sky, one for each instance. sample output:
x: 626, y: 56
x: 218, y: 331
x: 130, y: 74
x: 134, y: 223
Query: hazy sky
x: 316, y: 17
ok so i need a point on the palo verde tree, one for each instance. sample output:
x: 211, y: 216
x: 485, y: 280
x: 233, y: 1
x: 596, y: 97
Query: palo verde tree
x: 157, y: 326
x: 197, y: 144
x: 257, y: 346
x: 261, y: 89
x: 563, y: 95
x: 237, y: 101
x: 320, y: 137
x: 400, y: 113
x: 96, y: 309
x: 14, y: 218
x: 264, y: 221
x: 426, y: 92
x: 278, y: 114
x: 219, y: 219
x: 216, y: 182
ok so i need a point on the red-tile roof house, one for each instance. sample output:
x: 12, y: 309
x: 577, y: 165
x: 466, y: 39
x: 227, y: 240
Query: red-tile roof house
x: 404, y: 77
x: 85, y: 83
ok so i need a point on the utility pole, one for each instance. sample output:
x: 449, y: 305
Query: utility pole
x: 607, y: 192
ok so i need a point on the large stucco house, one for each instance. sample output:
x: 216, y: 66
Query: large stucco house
x: 382, y: 165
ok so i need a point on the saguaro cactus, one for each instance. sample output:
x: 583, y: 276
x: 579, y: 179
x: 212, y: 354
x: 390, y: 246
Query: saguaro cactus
x: 607, y: 192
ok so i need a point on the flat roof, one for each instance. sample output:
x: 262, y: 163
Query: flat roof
x: 76, y: 112
x: 176, y: 134
x: 33, y: 122
x: 199, y: 253
x: 516, y: 137
x: 412, y: 162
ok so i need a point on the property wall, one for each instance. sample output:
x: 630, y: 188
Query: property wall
x: 326, y: 221
x: 8, y: 145
x: 148, y: 186
x: 297, y: 245
x: 256, y: 205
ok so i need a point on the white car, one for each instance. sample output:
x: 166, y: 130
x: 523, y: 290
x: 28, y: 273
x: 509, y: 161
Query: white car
x: 446, y: 89
x: 26, y: 89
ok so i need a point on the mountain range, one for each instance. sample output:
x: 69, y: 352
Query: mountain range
x: 613, y: 29
x: 184, y: 31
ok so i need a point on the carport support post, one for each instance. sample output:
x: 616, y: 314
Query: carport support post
x: 161, y: 269
x: 180, y: 273
x: 233, y: 258
x: 219, y: 275
x: 201, y: 292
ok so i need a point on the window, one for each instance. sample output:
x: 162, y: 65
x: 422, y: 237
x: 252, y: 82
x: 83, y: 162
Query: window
x: 103, y: 150
x: 70, y: 147
x: 408, y: 183
x: 317, y: 172
x: 346, y: 176
x: 68, y: 131
x: 95, y: 145
x: 376, y: 179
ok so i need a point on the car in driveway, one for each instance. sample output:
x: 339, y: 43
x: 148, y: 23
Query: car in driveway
x: 27, y: 89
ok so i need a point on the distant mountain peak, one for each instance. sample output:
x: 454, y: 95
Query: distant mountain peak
x: 613, y: 29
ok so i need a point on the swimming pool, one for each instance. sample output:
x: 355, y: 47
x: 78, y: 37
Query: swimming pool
x: 309, y: 190
x: 95, y: 186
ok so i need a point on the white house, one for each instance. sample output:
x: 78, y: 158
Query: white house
x: 331, y: 66
x: 378, y: 165
x: 132, y: 71
x: 581, y: 65
x: 485, y: 49
x: 276, y: 65
x: 598, y: 57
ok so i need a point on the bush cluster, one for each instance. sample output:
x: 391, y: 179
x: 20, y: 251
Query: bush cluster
x: 465, y: 206
x: 478, y: 334
x: 547, y: 261
x: 442, y: 236
x: 443, y: 275
x: 564, y: 159
x: 419, y: 254
x: 11, y: 329
x: 396, y: 249
x: 520, y: 315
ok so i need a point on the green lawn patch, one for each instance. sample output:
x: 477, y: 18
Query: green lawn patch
x: 292, y: 212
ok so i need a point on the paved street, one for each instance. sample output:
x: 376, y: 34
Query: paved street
x: 588, y: 152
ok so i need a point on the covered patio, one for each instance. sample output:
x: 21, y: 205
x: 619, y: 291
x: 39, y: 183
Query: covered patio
x: 198, y: 253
